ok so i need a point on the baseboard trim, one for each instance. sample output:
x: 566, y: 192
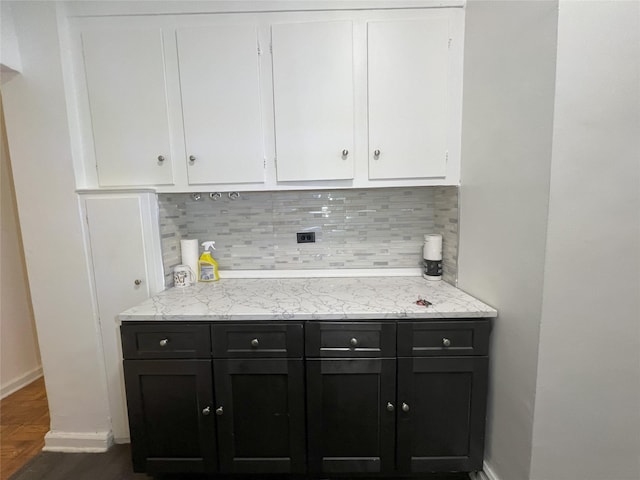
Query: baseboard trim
x: 75, y: 442
x: 22, y: 381
x: 486, y: 473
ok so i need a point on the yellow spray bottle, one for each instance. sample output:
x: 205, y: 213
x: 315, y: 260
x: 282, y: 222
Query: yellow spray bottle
x: 207, y: 266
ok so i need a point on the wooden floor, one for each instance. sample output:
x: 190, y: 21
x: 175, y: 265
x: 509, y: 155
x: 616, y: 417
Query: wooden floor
x: 24, y: 419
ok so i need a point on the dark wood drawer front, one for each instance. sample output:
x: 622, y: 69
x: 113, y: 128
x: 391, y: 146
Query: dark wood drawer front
x: 443, y: 338
x: 256, y: 340
x: 351, y: 339
x: 165, y: 341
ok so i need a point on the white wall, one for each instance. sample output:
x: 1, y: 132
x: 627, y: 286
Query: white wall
x: 587, y: 413
x: 9, y: 53
x: 38, y: 134
x: 509, y: 78
x: 19, y: 354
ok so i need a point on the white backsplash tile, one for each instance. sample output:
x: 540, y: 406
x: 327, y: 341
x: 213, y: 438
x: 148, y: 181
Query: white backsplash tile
x: 356, y: 228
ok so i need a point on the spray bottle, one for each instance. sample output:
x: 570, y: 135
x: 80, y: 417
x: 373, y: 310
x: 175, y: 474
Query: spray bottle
x: 207, y: 266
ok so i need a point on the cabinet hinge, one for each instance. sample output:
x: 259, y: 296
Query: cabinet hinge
x: 271, y: 48
x: 259, y: 50
x: 264, y: 164
x: 446, y: 156
x: 450, y: 40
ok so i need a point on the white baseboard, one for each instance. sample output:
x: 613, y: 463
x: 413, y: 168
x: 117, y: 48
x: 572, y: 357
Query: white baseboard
x: 22, y: 381
x: 485, y: 474
x: 76, y: 442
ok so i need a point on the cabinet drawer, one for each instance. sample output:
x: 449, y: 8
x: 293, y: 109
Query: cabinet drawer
x: 165, y: 341
x: 350, y: 339
x: 257, y: 340
x: 421, y: 339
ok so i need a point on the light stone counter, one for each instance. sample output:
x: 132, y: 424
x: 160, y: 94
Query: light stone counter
x: 310, y: 298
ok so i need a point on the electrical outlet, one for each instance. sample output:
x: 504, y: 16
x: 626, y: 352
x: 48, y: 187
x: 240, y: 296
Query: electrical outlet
x: 306, y: 237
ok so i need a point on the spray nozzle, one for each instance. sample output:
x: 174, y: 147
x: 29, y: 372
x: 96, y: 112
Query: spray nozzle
x: 209, y: 245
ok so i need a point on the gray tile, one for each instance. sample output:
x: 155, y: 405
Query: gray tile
x: 359, y: 228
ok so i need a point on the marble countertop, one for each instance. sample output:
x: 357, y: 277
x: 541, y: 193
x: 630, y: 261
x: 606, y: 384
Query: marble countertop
x: 310, y: 298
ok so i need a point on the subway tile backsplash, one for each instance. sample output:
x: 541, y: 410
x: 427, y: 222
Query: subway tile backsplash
x: 355, y: 228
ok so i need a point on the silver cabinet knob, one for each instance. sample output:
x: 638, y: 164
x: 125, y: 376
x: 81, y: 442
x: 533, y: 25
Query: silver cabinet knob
x: 219, y: 411
x: 206, y: 411
x: 405, y: 407
x: 233, y: 195
x: 354, y: 342
x: 160, y: 158
x: 446, y: 342
x: 390, y: 407
x: 345, y: 152
x: 215, y: 196
x: 376, y: 153
x: 137, y: 282
x: 164, y: 342
x: 192, y: 158
x: 255, y: 343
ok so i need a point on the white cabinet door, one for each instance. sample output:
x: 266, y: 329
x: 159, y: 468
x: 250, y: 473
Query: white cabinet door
x: 220, y: 85
x: 407, y: 86
x: 125, y: 250
x: 125, y: 75
x: 313, y: 100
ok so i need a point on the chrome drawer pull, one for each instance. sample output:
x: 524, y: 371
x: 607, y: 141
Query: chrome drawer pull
x: 446, y: 342
x: 164, y: 342
x: 206, y: 411
x: 255, y: 343
x: 405, y: 407
x: 354, y: 342
x: 390, y: 407
x: 219, y: 411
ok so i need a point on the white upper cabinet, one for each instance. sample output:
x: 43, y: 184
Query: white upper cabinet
x: 407, y: 97
x: 125, y: 79
x: 269, y: 100
x: 313, y: 100
x: 220, y: 88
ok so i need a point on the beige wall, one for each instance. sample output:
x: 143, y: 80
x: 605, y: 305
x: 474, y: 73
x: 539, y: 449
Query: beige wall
x: 509, y: 75
x: 587, y: 412
x: 19, y: 354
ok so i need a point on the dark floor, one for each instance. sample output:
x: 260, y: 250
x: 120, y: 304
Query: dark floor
x: 114, y: 465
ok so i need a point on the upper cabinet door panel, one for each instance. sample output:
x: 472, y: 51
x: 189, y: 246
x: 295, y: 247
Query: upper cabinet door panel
x: 313, y: 100
x: 125, y: 75
x: 407, y: 84
x: 220, y: 85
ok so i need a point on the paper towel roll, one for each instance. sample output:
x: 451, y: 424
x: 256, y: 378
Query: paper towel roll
x: 190, y: 254
x: 432, y: 249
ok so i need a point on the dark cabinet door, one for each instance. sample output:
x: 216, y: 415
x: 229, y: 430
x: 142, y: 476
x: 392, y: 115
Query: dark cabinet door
x: 260, y: 415
x: 441, y: 413
x: 171, y: 417
x: 351, y: 415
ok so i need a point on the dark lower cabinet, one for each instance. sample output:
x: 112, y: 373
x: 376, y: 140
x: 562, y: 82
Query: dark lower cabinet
x: 260, y: 413
x: 166, y: 400
x: 441, y: 415
x: 351, y: 417
x: 243, y: 398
